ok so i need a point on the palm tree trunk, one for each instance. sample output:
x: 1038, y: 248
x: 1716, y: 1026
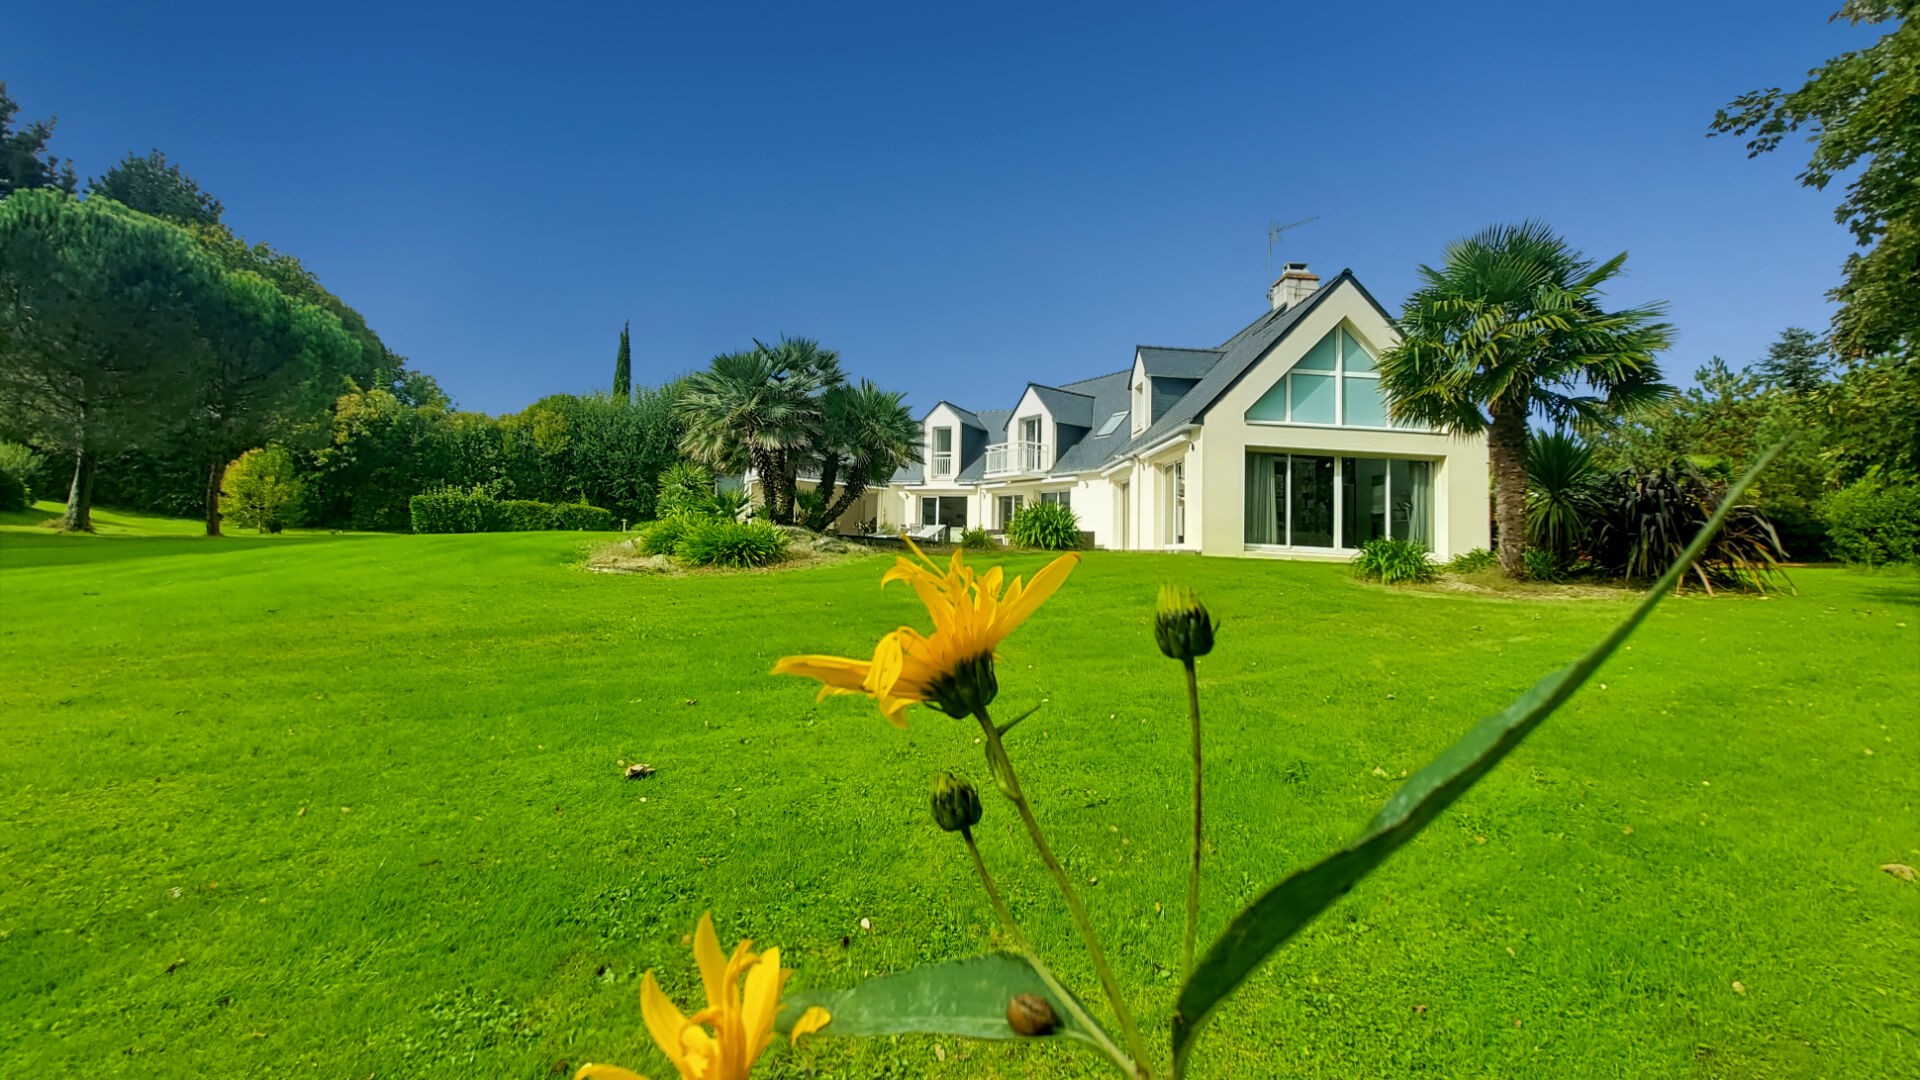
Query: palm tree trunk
x: 849, y: 495
x: 216, y: 478
x: 829, y: 477
x: 1507, y: 457
x: 80, y: 496
x: 762, y: 464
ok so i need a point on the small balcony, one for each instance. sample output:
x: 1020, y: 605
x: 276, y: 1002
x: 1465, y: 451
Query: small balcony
x: 940, y: 466
x: 1016, y: 457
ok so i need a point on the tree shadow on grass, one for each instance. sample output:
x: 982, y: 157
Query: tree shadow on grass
x: 22, y: 550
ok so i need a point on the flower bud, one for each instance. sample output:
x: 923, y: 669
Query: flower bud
x: 1181, y: 624
x: 1031, y: 1015
x: 956, y: 806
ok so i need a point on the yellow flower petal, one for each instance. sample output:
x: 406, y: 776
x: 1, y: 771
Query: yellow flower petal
x: 712, y: 962
x: 761, y: 1002
x: 591, y: 1071
x: 810, y: 1021
x: 1027, y: 600
x: 664, y: 1022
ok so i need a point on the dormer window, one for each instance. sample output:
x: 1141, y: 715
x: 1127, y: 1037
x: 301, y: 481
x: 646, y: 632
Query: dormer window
x: 1142, y: 416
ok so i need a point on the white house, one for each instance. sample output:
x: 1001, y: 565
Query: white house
x: 1274, y: 443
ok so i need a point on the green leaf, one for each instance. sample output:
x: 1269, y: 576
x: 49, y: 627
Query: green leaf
x: 965, y: 998
x: 1280, y: 913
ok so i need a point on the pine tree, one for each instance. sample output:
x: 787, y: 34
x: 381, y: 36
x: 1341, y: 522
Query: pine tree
x: 623, y: 366
x: 1797, y: 363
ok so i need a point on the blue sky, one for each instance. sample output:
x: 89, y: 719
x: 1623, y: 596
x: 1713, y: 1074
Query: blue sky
x: 959, y: 198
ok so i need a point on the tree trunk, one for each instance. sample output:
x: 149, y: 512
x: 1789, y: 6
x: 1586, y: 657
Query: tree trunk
x: 781, y: 502
x: 216, y: 477
x: 849, y: 495
x: 829, y: 478
x: 762, y: 465
x: 1507, y: 457
x: 80, y: 497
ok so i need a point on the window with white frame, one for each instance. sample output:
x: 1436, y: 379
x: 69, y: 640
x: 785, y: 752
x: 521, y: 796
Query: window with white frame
x: 943, y: 451
x: 1336, y: 384
x: 1058, y: 498
x: 1177, y: 503
x: 1009, y: 505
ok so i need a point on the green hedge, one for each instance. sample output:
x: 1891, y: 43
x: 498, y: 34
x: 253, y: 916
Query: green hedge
x: 453, y: 510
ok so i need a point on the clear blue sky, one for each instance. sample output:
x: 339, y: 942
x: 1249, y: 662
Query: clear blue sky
x: 958, y: 197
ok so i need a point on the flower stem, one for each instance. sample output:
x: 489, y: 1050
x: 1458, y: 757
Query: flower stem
x: 1009, y: 785
x: 1193, y: 869
x: 1020, y: 942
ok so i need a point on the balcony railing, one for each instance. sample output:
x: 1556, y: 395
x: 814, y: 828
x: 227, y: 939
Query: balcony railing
x: 1018, y: 456
x: 942, y: 465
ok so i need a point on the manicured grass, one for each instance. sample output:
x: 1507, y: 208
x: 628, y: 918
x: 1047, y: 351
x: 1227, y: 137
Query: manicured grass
x: 351, y: 806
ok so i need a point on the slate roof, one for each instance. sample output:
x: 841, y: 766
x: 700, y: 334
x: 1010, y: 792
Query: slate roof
x: 1089, y: 403
x: 1067, y: 406
x: 1165, y: 362
x: 1239, y: 354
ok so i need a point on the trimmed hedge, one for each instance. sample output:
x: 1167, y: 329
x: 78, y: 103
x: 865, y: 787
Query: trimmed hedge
x: 453, y: 510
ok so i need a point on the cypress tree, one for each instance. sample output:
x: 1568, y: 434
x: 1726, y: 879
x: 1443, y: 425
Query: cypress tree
x: 623, y: 366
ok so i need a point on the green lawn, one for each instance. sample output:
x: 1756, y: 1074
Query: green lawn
x: 352, y: 806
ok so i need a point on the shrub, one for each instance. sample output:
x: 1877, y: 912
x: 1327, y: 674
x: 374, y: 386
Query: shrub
x: 664, y: 535
x: 737, y: 544
x: 1047, y: 526
x: 13, y: 493
x: 451, y: 510
x: 262, y: 490
x: 730, y: 503
x: 472, y: 510
x: 579, y: 517
x: 1472, y: 562
x: 1543, y: 564
x: 1648, y: 518
x: 1394, y: 562
x: 1873, y: 521
x: 685, y: 488
x: 1563, y: 486
x: 19, y: 464
x: 976, y: 539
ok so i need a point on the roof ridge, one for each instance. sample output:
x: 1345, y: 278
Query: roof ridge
x: 1090, y: 378
x: 1177, y: 348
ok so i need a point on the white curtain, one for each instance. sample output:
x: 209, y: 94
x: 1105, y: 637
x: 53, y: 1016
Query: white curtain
x: 1420, y: 521
x: 1263, y: 519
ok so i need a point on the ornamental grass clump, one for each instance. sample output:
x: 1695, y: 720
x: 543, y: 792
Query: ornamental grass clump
x: 952, y: 668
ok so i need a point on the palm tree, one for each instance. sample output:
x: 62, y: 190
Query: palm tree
x: 1512, y: 324
x: 870, y: 431
x: 806, y: 368
x: 744, y: 412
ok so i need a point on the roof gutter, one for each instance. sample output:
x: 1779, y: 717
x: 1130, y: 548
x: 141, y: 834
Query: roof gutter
x: 1183, y: 433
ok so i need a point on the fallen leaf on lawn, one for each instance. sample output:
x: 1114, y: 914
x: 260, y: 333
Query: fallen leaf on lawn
x: 1420, y: 1009
x: 1626, y: 830
x: 866, y: 924
x: 1899, y: 870
x: 1739, y: 987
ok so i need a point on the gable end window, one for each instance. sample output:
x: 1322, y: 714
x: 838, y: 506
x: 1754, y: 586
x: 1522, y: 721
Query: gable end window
x: 1336, y: 384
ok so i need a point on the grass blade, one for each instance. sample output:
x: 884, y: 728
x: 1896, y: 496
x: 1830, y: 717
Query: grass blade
x: 1278, y: 914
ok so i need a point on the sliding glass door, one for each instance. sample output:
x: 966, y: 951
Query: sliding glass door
x: 1323, y: 501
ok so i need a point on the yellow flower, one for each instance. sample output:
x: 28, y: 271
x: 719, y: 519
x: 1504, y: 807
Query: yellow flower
x: 723, y: 1040
x: 951, y: 668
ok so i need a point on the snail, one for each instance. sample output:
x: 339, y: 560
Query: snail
x: 1030, y: 1014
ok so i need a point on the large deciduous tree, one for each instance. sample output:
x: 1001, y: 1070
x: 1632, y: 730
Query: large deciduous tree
x: 1509, y: 325
x: 24, y: 161
x: 153, y: 185
x: 262, y: 370
x: 100, y: 311
x: 1862, y: 114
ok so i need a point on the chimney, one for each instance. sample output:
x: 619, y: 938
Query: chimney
x: 1296, y: 284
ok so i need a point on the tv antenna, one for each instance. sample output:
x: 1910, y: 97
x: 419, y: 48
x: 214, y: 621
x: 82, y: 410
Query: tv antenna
x: 1274, y: 229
